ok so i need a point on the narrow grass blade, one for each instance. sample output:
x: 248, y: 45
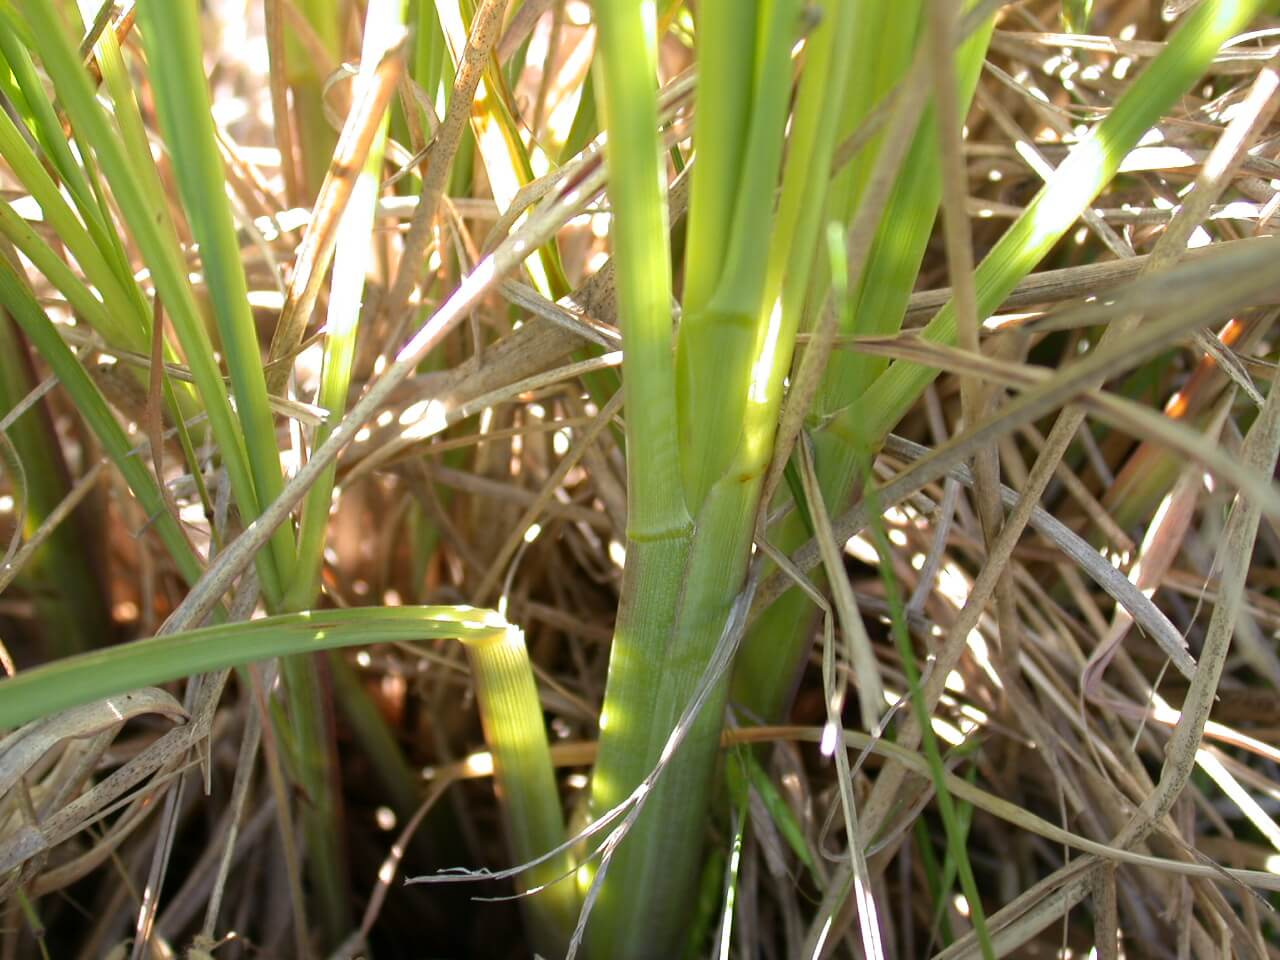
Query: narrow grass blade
x: 113, y: 670
x: 161, y: 252
x: 353, y: 248
x: 171, y: 32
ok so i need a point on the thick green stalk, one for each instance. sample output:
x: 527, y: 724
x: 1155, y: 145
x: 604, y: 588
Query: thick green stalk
x: 626, y: 68
x: 726, y: 29
x: 643, y: 906
x: 677, y: 595
x: 722, y: 322
x: 659, y: 529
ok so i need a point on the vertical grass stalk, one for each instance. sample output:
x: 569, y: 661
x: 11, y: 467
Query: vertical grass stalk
x: 171, y: 32
x: 306, y: 677
x: 735, y: 345
x: 659, y: 528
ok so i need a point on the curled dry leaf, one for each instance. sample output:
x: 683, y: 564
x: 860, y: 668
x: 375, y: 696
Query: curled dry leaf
x: 30, y: 744
x: 27, y: 746
x: 23, y: 749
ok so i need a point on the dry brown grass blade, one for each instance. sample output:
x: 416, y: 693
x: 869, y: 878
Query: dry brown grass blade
x: 1261, y: 449
x: 167, y: 828
x: 1156, y: 554
x: 426, y: 418
x: 1224, y: 160
x: 1230, y: 60
x: 166, y: 752
x: 1063, y: 387
x: 1029, y: 153
x: 862, y: 658
x: 1144, y: 612
x: 584, y: 325
x: 862, y: 661
x: 519, y: 27
x: 272, y: 751
x: 134, y: 812
x: 1262, y: 445
x: 510, y: 493
x: 23, y: 748
x: 498, y: 568
x: 14, y: 564
x: 182, y: 908
x: 535, y: 231
x: 246, y: 758
x: 125, y: 15
x: 486, y: 26
x: 1069, y: 283
x: 1085, y: 499
x: 939, y: 51
x: 289, y: 160
x: 316, y: 252
x: 1133, y: 418
x: 1023, y: 917
x: 1006, y: 810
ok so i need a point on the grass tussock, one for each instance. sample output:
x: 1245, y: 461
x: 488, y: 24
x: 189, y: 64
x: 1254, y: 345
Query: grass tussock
x: 735, y: 478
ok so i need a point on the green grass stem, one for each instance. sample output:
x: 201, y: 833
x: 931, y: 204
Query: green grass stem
x: 677, y: 593
x: 775, y: 648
